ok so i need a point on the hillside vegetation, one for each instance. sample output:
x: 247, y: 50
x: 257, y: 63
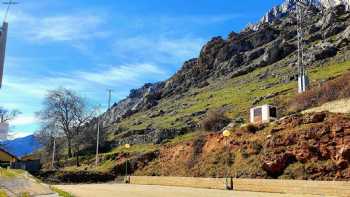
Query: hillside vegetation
x: 162, y: 121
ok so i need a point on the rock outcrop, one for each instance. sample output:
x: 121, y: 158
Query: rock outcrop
x: 289, y: 7
x: 312, y: 146
x: 139, y: 99
x: 270, y: 41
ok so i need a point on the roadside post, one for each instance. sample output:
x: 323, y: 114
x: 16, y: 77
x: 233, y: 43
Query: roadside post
x: 127, y: 179
x: 228, y: 184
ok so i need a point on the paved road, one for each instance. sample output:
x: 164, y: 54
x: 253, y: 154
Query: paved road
x: 20, y: 183
x: 121, y: 190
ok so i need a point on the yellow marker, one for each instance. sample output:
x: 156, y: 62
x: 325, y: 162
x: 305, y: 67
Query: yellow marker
x: 226, y: 133
x: 127, y: 145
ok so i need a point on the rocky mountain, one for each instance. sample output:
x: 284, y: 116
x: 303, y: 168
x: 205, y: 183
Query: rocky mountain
x: 334, y: 3
x: 273, y: 42
x: 289, y: 6
x: 252, y: 67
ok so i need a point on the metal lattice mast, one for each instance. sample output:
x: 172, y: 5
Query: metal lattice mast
x: 300, y: 30
x: 303, y: 80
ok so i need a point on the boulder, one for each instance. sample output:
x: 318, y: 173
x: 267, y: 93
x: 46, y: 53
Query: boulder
x: 320, y: 52
x: 275, y: 166
x: 344, y: 153
x: 344, y: 38
x: 314, y: 118
x: 327, y: 20
x: 333, y: 30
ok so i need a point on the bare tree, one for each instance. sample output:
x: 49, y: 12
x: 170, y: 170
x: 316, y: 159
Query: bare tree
x: 46, y: 135
x: 83, y: 118
x: 5, y: 117
x: 68, y: 112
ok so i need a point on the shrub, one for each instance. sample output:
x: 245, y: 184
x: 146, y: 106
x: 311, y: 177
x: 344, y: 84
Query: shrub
x: 214, y: 121
x: 331, y: 90
x: 250, y: 128
x: 253, y: 128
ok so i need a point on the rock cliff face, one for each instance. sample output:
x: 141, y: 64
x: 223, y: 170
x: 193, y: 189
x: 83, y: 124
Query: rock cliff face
x: 311, y: 146
x: 333, y: 3
x: 289, y: 7
x: 271, y: 40
x: 139, y: 99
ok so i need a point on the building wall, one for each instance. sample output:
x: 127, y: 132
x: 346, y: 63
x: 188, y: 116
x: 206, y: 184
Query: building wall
x: 30, y: 165
x: 265, y: 114
x: 5, y: 157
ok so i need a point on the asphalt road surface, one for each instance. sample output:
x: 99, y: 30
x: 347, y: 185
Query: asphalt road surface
x: 122, y: 190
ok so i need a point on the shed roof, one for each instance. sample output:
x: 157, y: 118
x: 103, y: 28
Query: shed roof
x: 11, y: 155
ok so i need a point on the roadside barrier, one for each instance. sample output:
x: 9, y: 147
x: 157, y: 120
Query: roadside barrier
x: 328, y: 188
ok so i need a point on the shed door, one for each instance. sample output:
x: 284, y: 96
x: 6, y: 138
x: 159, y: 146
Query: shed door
x: 258, y: 115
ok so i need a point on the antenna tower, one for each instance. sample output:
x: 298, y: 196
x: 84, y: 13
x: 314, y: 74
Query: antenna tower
x: 303, y: 79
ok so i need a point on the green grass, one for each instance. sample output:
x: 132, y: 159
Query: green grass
x: 184, y: 138
x: 9, y: 173
x: 108, y: 160
x: 237, y: 95
x: 24, y: 194
x: 61, y: 193
x: 137, y: 148
x: 3, y: 193
x: 329, y: 70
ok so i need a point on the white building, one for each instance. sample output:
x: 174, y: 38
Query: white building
x: 262, y: 114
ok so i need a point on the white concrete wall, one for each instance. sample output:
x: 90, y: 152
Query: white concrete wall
x: 265, y: 113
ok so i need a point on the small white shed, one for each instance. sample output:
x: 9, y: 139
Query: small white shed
x: 262, y: 114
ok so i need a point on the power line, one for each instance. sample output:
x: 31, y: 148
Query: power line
x: 8, y: 3
x: 97, y: 136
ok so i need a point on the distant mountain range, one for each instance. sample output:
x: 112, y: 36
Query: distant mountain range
x: 22, y: 146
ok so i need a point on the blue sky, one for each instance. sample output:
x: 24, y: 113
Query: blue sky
x: 94, y: 45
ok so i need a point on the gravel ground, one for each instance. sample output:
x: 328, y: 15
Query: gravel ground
x: 122, y: 190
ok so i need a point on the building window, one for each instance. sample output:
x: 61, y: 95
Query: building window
x: 273, y: 112
x: 257, y: 112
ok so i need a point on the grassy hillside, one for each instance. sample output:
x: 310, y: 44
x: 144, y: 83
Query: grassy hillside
x: 234, y: 95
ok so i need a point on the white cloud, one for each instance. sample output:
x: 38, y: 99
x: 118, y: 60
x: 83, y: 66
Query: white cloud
x: 124, y: 74
x: 67, y: 28
x: 15, y: 135
x: 23, y: 120
x: 73, y: 27
x: 26, y: 92
x: 162, y: 49
x: 200, y: 19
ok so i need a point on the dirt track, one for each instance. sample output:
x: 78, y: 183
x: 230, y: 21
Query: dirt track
x: 121, y: 190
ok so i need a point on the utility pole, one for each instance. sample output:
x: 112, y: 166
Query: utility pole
x: 98, y: 136
x: 303, y: 79
x: 109, y: 98
x: 53, y: 153
x: 54, y: 135
x: 3, y: 38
